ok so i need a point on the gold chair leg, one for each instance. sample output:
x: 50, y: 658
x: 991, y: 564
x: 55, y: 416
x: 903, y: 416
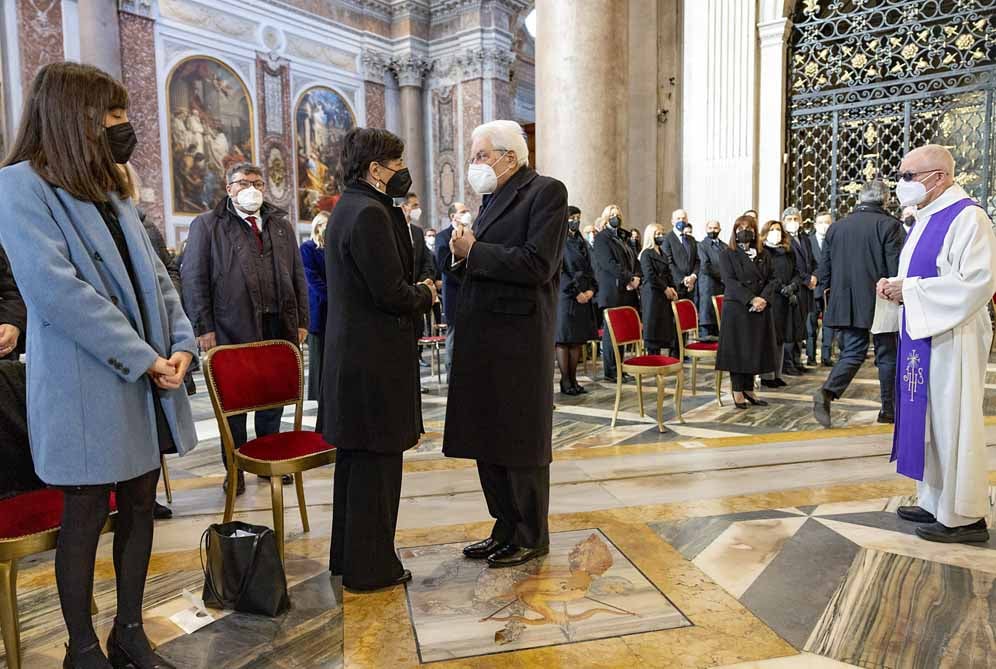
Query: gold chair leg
x: 639, y: 390
x: 93, y: 606
x: 660, y: 403
x: 169, y: 488
x: 233, y: 478
x: 302, y: 505
x: 615, y: 412
x: 695, y: 375
x: 719, y: 387
x: 439, y: 366
x: 8, y: 613
x: 678, y: 392
x: 277, y: 500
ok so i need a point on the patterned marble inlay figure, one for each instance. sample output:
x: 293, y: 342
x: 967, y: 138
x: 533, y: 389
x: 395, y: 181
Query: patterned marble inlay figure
x: 945, y: 282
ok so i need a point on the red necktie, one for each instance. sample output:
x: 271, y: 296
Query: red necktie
x: 251, y: 220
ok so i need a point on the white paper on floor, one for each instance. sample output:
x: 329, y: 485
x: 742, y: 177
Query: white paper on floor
x: 193, y: 617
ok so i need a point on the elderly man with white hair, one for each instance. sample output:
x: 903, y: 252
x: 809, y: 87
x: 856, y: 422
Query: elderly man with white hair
x: 945, y: 281
x: 500, y: 407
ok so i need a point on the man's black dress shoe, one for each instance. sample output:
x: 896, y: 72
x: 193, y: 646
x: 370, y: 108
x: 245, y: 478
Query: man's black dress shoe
x: 915, y: 514
x: 405, y: 577
x: 240, y: 488
x: 791, y: 371
x: 821, y: 407
x: 886, y: 418
x: 161, y: 512
x: 773, y: 383
x: 513, y: 556
x: 967, y: 534
x: 482, y: 549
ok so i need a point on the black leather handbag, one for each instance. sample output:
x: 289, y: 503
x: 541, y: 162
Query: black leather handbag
x: 242, y: 569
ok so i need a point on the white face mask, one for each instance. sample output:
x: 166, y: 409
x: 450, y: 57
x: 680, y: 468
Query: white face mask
x: 774, y: 238
x: 430, y: 243
x: 482, y: 177
x: 414, y: 215
x: 466, y: 218
x: 249, y: 199
x: 912, y: 193
x: 791, y: 227
x: 821, y: 229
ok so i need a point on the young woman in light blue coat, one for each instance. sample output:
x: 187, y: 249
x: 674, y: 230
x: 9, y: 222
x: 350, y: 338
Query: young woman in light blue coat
x: 109, y: 343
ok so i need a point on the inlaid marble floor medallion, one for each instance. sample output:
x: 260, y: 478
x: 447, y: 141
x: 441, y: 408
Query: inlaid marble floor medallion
x: 584, y: 589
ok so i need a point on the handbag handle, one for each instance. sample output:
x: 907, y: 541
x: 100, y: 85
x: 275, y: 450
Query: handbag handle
x: 208, y: 581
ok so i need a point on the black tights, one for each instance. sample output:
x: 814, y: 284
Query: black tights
x: 85, y: 512
x: 742, y: 383
x: 568, y: 357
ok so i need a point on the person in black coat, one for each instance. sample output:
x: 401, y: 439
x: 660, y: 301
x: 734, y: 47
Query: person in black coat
x: 747, y: 338
x: 13, y: 313
x: 710, y: 282
x: 576, y: 323
x: 682, y: 255
x: 500, y: 409
x: 806, y: 263
x: 617, y: 273
x: 859, y: 250
x: 458, y: 215
x: 370, y: 404
x: 784, y: 304
x: 657, y: 292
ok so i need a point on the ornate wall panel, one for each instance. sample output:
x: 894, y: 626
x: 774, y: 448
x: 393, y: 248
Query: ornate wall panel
x: 321, y: 121
x: 871, y: 79
x: 273, y: 93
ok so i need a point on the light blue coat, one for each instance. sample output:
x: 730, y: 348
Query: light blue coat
x: 90, y: 405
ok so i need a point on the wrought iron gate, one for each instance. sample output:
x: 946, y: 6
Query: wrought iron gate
x: 870, y: 79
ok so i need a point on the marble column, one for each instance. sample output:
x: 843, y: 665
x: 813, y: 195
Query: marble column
x: 375, y: 73
x: 581, y: 100
x: 773, y: 37
x: 39, y: 37
x: 411, y: 73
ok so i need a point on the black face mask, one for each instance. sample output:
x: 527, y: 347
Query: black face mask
x: 573, y: 224
x: 910, y: 221
x: 658, y: 239
x: 399, y: 184
x: 123, y: 141
x: 713, y: 235
x: 615, y: 221
x: 745, y: 236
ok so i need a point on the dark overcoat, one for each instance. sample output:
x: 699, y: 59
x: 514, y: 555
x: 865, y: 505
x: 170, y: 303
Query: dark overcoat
x: 807, y: 265
x: 370, y: 397
x: 859, y: 250
x: 657, y: 315
x: 451, y: 278
x: 576, y: 323
x: 313, y: 261
x: 425, y: 264
x: 710, y: 281
x: 615, y: 265
x: 500, y: 406
x: 682, y: 263
x: 221, y: 290
x: 789, y: 326
x: 747, y: 340
x: 12, y: 309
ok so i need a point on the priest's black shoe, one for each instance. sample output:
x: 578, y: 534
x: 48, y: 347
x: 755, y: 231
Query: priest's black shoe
x: 886, y: 418
x: 513, y: 556
x: 967, y: 534
x: 821, y: 407
x: 915, y: 514
x: 405, y: 577
x: 91, y: 657
x: 161, y: 512
x: 483, y: 549
x: 129, y: 648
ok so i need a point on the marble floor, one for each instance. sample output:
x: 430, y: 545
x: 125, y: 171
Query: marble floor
x: 736, y: 538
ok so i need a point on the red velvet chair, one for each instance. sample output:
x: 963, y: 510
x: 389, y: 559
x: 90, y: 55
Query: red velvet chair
x: 717, y: 306
x: 254, y: 377
x: 29, y: 524
x: 624, y: 329
x: 686, y: 319
x: 434, y: 342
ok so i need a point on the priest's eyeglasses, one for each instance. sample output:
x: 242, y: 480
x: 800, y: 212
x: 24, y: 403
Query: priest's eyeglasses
x: 909, y: 176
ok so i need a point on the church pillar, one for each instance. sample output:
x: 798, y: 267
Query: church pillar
x: 581, y: 100
x: 99, y: 35
x: 773, y: 37
x: 411, y: 72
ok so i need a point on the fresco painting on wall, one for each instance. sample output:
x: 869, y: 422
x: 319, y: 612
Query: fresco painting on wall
x: 322, y: 119
x: 210, y: 130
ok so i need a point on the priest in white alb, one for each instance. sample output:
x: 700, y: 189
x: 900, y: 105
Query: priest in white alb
x: 947, y: 276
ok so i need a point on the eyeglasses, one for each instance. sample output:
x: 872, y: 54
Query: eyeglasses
x: 909, y: 176
x: 245, y: 183
x: 482, y: 156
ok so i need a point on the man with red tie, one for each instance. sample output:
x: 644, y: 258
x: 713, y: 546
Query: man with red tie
x: 243, y: 280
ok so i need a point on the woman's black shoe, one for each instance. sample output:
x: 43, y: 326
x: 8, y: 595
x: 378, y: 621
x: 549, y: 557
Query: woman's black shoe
x: 739, y: 405
x: 91, y: 657
x: 405, y: 577
x: 753, y: 400
x: 773, y: 383
x: 568, y: 390
x: 580, y: 390
x: 129, y: 648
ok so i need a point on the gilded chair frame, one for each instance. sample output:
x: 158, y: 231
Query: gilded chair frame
x: 694, y: 354
x: 659, y: 372
x: 274, y: 469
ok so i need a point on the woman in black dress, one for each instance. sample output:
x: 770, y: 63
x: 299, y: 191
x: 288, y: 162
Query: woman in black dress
x: 576, y: 324
x: 784, y: 306
x: 657, y: 292
x: 747, y: 340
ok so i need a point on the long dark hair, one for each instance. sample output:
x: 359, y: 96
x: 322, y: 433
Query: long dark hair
x: 362, y: 146
x: 62, y: 131
x: 747, y: 222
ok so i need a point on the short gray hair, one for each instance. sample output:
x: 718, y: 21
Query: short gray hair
x: 790, y: 211
x: 242, y: 168
x: 505, y: 136
x: 874, y: 192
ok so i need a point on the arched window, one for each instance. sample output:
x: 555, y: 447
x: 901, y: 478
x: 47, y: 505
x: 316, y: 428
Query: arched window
x: 871, y: 79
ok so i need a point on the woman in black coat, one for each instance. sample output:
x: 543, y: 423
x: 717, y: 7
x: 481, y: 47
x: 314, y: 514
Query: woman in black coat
x: 784, y: 307
x: 576, y: 324
x: 747, y: 339
x: 657, y: 292
x: 370, y: 407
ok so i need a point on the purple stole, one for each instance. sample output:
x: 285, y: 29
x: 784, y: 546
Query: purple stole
x: 913, y: 362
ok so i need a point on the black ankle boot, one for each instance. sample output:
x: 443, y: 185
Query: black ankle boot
x: 129, y: 648
x: 91, y: 657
